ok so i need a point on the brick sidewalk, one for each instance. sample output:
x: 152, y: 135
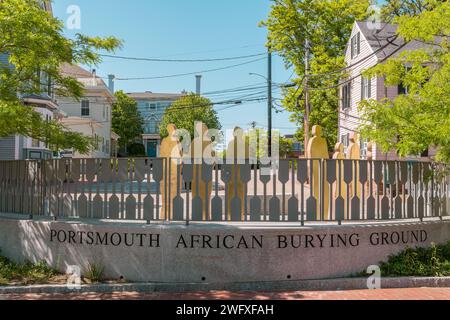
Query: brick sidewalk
x: 384, y: 294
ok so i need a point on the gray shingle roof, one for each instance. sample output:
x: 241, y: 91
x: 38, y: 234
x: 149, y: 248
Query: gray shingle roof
x: 383, y: 41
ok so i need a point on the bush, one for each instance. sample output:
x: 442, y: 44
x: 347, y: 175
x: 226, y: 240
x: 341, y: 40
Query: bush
x: 422, y: 262
x: 26, y: 273
x: 136, y: 150
x: 95, y: 272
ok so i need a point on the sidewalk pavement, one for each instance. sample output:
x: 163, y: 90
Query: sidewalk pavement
x: 382, y: 294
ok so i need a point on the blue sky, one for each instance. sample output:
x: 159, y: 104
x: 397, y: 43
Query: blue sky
x: 185, y: 29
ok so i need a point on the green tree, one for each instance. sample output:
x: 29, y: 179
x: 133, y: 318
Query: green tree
x: 127, y: 122
x: 393, y: 8
x: 412, y: 122
x: 33, y: 40
x: 258, y: 137
x: 286, y: 146
x: 186, y: 111
x: 327, y: 25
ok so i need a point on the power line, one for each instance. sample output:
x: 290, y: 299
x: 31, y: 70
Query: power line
x: 213, y: 50
x: 256, y: 85
x: 182, y: 60
x: 390, y: 42
x: 191, y: 73
x: 359, y: 75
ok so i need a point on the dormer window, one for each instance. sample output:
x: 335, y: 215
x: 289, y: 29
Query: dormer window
x: 355, y: 44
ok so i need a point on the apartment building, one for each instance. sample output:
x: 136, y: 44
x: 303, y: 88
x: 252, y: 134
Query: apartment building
x: 91, y: 115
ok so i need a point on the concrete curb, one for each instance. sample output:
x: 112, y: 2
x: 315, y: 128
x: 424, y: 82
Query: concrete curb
x: 299, y: 285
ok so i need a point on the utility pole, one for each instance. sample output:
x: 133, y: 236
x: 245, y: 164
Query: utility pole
x: 306, y: 95
x: 269, y: 100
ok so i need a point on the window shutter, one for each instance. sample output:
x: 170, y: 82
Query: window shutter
x: 362, y: 88
x: 358, y: 44
x: 369, y: 88
x: 352, y: 47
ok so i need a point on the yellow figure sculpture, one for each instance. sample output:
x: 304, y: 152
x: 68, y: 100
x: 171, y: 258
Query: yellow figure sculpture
x: 171, y: 150
x: 340, y: 187
x: 237, y: 150
x: 197, y: 148
x: 318, y: 149
x: 354, y: 153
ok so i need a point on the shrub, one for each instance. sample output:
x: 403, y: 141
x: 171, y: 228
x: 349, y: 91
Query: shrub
x: 25, y: 273
x: 136, y: 150
x: 423, y: 262
x: 95, y: 272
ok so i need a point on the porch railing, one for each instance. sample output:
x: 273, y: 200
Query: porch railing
x: 155, y: 189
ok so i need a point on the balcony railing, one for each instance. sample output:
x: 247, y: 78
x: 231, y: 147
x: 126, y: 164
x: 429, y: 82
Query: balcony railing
x: 293, y: 190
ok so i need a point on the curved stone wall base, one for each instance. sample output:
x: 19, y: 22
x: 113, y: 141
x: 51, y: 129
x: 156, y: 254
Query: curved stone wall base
x: 214, y: 253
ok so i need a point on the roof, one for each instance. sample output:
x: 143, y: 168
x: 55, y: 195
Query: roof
x: 384, y: 42
x: 75, y: 71
x: 155, y: 96
x: 87, y: 78
x: 114, y: 136
x: 82, y: 75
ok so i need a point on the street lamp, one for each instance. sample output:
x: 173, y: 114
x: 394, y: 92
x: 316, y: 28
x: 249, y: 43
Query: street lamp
x: 269, y: 103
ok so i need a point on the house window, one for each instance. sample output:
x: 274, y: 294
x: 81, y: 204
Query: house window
x: 152, y: 126
x: 85, y: 112
x: 346, y: 96
x: 345, y: 139
x: 366, y: 88
x: 35, y: 143
x: 355, y: 44
x: 35, y: 155
x: 425, y: 154
x: 402, y: 89
x: 49, y: 86
x: 363, y: 146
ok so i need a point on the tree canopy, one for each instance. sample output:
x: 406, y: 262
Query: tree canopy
x: 412, y: 122
x: 327, y: 25
x: 36, y: 48
x: 127, y: 122
x: 186, y: 111
x: 393, y: 8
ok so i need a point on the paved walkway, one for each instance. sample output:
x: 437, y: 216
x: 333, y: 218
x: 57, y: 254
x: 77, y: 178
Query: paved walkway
x: 384, y: 294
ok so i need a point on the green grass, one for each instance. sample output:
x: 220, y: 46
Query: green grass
x: 419, y: 262
x: 25, y: 273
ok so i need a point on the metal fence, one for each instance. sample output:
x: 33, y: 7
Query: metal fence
x: 298, y: 190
